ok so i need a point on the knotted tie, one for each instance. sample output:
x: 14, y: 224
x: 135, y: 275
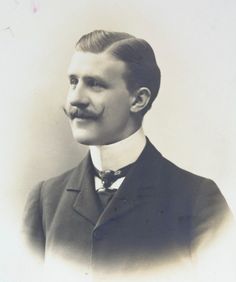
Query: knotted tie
x: 108, y: 177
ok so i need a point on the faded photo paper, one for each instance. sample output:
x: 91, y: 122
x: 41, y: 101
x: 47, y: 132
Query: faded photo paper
x: 117, y: 140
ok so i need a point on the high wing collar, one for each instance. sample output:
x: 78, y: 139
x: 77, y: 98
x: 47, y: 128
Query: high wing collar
x: 147, y: 166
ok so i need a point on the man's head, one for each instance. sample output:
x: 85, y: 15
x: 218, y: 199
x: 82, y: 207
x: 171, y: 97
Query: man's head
x: 114, y: 79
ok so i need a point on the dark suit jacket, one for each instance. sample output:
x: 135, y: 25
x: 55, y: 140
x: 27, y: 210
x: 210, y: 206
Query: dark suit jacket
x: 159, y: 214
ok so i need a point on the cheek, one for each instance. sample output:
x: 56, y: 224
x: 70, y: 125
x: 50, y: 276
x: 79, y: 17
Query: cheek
x: 67, y: 100
x: 119, y: 103
x: 117, y: 111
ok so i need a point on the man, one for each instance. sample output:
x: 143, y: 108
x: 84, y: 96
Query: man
x: 125, y: 210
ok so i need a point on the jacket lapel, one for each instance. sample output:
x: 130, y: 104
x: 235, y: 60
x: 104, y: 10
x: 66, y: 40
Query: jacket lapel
x: 141, y: 184
x: 82, y: 181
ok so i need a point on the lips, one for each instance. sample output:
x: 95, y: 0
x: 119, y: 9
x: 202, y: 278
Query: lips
x: 82, y: 115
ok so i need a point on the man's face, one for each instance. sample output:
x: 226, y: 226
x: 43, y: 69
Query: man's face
x: 98, y: 99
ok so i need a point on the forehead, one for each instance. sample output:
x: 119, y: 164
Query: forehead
x: 102, y: 64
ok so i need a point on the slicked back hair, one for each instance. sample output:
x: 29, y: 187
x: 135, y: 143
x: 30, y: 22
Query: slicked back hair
x: 137, y: 54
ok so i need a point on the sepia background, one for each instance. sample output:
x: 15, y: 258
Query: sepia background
x: 192, y: 123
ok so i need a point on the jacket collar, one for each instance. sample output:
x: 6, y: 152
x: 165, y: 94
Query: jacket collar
x: 82, y: 181
x: 140, y: 184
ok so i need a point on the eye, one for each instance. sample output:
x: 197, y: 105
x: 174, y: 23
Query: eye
x: 73, y: 81
x: 97, y: 85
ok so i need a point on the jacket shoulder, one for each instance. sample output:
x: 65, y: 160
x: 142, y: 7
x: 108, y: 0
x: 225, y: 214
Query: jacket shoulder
x: 41, y: 204
x: 58, y: 182
x: 170, y: 172
x: 199, y: 194
x: 186, y: 179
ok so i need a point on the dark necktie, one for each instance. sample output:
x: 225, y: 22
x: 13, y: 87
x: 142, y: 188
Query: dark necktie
x: 108, y: 177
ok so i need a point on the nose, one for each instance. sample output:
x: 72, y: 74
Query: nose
x: 77, y: 97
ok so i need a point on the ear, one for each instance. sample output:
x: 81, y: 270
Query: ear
x: 140, y: 99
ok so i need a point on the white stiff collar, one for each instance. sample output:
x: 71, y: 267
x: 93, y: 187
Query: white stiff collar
x: 117, y: 155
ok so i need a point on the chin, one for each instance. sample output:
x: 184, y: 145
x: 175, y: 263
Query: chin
x: 85, y: 139
x: 91, y: 140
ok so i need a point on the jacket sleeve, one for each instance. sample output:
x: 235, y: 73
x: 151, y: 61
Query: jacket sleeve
x: 210, y: 213
x: 213, y: 231
x: 33, y: 232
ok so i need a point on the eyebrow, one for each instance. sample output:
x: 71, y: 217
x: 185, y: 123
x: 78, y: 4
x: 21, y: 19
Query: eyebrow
x: 87, y: 77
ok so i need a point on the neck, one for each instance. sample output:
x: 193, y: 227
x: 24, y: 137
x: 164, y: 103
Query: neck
x: 119, y: 154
